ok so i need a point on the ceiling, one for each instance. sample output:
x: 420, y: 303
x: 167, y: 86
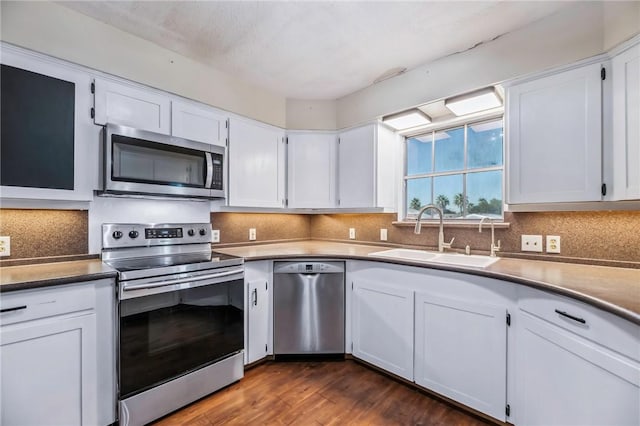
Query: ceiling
x: 316, y: 50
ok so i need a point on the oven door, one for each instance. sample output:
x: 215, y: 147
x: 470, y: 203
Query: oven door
x: 168, y: 331
x: 141, y: 162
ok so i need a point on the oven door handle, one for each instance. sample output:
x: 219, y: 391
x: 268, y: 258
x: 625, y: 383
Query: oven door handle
x: 163, y: 283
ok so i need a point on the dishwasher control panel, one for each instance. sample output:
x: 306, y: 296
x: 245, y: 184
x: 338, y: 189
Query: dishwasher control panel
x: 308, y: 267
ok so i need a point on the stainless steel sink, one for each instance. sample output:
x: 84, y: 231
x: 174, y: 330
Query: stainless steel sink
x: 475, y: 261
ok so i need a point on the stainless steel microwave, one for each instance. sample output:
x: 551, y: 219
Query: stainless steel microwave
x: 137, y: 162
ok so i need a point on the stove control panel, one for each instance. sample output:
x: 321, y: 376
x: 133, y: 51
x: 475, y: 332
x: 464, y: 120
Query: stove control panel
x: 118, y: 235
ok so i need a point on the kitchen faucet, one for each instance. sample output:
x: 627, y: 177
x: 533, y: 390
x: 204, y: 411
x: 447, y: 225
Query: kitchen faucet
x: 441, y: 244
x: 494, y: 247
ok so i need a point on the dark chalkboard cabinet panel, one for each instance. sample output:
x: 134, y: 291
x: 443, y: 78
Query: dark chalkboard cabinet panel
x: 37, y: 130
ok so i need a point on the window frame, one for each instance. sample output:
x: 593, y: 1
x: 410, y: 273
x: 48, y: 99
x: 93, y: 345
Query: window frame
x: 463, y: 122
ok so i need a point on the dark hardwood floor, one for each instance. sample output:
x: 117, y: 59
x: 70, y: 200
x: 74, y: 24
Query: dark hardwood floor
x: 318, y: 393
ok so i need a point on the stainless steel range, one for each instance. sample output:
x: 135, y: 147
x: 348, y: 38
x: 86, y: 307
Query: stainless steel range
x: 181, y: 319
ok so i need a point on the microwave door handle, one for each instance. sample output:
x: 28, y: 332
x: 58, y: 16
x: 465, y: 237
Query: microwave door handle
x: 209, y: 178
x: 164, y: 283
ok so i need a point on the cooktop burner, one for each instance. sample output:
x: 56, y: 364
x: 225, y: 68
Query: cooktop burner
x: 143, y: 263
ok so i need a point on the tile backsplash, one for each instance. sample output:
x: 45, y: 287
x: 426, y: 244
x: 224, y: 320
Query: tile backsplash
x: 610, y: 238
x: 586, y: 237
x: 44, y: 233
x: 234, y: 227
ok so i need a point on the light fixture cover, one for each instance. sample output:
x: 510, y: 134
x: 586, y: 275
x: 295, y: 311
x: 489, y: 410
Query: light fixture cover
x: 407, y: 119
x: 477, y: 101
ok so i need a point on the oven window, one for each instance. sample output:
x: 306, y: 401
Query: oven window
x: 135, y: 160
x: 164, y: 336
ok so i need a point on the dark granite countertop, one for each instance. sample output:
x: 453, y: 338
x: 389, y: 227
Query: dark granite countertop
x: 616, y: 290
x: 49, y: 274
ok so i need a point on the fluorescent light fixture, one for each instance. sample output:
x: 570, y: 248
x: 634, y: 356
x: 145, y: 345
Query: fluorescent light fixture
x: 407, y: 119
x: 483, y: 127
x: 441, y: 135
x: 477, y: 101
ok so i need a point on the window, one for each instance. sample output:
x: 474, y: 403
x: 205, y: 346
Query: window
x: 459, y: 169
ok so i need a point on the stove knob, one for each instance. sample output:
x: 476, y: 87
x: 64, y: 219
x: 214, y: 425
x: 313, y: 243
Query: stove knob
x: 203, y: 231
x: 191, y: 232
x: 117, y: 235
x: 133, y: 234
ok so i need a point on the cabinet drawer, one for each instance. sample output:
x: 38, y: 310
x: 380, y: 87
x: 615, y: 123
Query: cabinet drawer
x: 598, y: 326
x: 32, y: 304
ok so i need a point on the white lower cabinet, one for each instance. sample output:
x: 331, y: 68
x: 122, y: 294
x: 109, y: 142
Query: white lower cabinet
x: 258, y: 327
x: 57, y: 363
x: 461, y: 351
x: 382, y: 325
x: 571, y: 372
x: 49, y: 372
x: 446, y: 331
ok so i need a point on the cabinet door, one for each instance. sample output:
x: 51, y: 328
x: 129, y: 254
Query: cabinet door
x: 356, y: 167
x: 626, y: 124
x: 49, y: 147
x: 198, y: 123
x: 382, y: 326
x: 49, y: 372
x: 461, y: 351
x: 131, y: 106
x: 554, y: 138
x: 258, y: 324
x: 256, y: 164
x: 564, y: 379
x: 312, y: 170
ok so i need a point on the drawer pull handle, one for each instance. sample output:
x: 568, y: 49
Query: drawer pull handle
x: 15, y: 308
x: 564, y: 314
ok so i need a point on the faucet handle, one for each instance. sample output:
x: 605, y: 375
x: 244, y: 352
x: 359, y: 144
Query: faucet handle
x: 496, y: 247
x: 448, y: 245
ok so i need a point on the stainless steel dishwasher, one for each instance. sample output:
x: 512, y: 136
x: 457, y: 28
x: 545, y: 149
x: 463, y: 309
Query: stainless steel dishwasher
x: 308, y: 315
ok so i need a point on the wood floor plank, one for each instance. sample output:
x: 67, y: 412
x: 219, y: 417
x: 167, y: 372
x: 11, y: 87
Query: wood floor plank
x: 318, y: 393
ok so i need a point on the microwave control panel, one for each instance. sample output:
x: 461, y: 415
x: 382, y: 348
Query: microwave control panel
x: 218, y: 171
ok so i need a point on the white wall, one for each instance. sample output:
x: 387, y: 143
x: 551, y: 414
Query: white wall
x: 565, y: 37
x: 311, y: 115
x: 55, y: 30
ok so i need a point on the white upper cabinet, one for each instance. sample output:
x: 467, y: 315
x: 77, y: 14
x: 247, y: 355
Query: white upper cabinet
x: 626, y: 123
x: 45, y: 165
x: 198, y: 123
x: 131, y: 106
x: 554, y: 137
x: 366, y: 167
x: 312, y: 162
x: 256, y: 159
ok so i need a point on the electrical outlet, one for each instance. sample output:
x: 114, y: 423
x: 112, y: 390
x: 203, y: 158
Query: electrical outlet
x: 215, y: 235
x: 352, y: 233
x: 5, y: 246
x: 252, y: 234
x: 532, y: 243
x: 553, y: 244
x: 383, y: 234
